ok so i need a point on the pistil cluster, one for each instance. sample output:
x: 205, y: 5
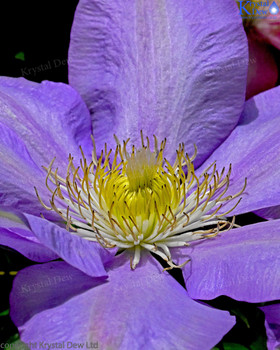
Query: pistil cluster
x: 138, y: 200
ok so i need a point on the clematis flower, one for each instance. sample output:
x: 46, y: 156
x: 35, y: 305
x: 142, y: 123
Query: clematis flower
x: 156, y: 67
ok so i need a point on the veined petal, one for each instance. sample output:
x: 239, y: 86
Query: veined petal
x: 38, y: 122
x: 160, y: 66
x: 269, y: 213
x: 16, y: 234
x: 85, y: 255
x: 141, y: 309
x: 243, y: 264
x: 50, y: 118
x: 18, y: 174
x: 272, y: 325
x: 253, y: 150
x: 33, y: 251
x: 45, y: 286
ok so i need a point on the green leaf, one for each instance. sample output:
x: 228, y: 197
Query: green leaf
x: 5, y: 313
x: 240, y: 314
x: 13, y: 339
x: 17, y: 344
x: 259, y: 344
x: 20, y: 56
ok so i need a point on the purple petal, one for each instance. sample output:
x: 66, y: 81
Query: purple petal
x: 33, y: 251
x: 269, y: 213
x: 87, y: 256
x: 137, y: 309
x: 41, y: 287
x: 161, y: 67
x: 16, y: 234
x: 38, y: 122
x: 253, y: 150
x: 19, y: 174
x: 50, y: 118
x: 243, y: 264
x: 272, y: 325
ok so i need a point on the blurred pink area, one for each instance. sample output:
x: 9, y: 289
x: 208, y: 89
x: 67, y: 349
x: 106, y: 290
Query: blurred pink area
x: 264, y: 54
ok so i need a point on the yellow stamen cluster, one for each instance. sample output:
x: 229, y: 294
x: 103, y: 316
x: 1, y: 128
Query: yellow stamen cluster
x: 137, y: 199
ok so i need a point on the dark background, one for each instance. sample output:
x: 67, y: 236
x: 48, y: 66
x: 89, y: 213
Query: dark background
x: 41, y: 30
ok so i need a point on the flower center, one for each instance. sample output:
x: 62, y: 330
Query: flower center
x: 138, y: 200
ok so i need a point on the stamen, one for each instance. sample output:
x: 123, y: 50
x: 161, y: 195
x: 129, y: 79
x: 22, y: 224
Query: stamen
x: 139, y: 200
